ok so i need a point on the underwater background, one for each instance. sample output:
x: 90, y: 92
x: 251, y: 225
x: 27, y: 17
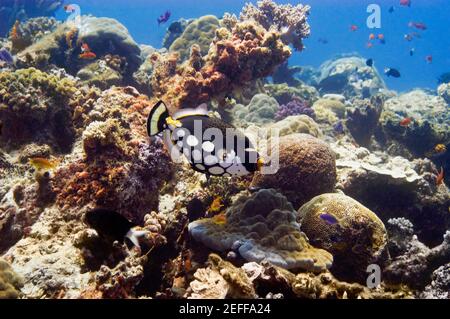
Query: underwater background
x: 335, y: 185
x: 329, y: 19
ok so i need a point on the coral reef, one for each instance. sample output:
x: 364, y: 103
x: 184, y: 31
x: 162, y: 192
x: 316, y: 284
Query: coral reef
x: 261, y: 110
x: 285, y: 18
x: 62, y: 47
x: 284, y: 93
x: 356, y: 239
x: 261, y: 227
x: 13, y: 10
x: 201, y: 32
x: 363, y: 117
x: 235, y: 58
x: 395, y: 187
x: 34, y: 107
x: 31, y: 31
x: 329, y: 110
x: 444, y: 91
x: 307, y: 168
x: 416, y: 265
x: 174, y: 31
x: 221, y: 280
x: 100, y: 75
x: 440, y: 284
x: 297, y: 124
x: 350, y: 76
x: 10, y: 282
x: 294, y: 107
x: 429, y: 126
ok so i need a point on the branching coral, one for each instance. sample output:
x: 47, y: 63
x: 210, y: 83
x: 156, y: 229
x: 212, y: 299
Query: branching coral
x: 236, y: 57
x: 288, y: 19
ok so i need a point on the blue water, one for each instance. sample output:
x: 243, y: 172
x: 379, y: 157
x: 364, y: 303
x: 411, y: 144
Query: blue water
x: 330, y: 19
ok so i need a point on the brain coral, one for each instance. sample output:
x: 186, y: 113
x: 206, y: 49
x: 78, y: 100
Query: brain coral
x: 357, y: 239
x: 201, y: 32
x: 262, y: 227
x: 307, y: 168
x: 10, y: 282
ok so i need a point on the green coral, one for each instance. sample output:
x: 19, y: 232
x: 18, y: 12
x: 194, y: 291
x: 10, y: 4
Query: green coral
x: 34, y: 106
x: 261, y: 110
x: 329, y: 111
x: 202, y: 32
x: 10, y: 282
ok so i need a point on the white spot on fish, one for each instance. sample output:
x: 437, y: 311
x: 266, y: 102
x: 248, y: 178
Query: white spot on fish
x: 192, y: 141
x: 211, y: 160
x: 208, y: 147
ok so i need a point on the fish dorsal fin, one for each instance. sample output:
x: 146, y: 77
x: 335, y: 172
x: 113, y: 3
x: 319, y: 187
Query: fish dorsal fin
x: 200, y: 110
x: 156, y: 122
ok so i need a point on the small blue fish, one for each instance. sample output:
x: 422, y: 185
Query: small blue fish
x: 6, y: 56
x: 339, y: 128
x: 329, y: 219
x: 163, y: 18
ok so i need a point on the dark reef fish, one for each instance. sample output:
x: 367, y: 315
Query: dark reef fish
x: 369, y: 62
x: 212, y: 146
x: 330, y: 219
x: 391, y: 9
x: 113, y: 226
x: 392, y: 72
x: 418, y: 25
x: 5, y: 56
x: 163, y: 18
x: 323, y: 40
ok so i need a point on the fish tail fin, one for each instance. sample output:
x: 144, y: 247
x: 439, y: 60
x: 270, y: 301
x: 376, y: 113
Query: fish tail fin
x: 156, y: 122
x: 134, y: 235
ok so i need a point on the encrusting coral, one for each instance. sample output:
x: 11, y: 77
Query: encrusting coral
x: 261, y: 227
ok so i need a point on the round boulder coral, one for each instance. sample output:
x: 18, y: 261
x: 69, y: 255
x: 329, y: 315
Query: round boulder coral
x: 307, y: 168
x: 352, y: 233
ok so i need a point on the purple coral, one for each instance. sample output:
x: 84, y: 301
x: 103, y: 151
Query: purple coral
x: 290, y: 20
x: 294, y: 107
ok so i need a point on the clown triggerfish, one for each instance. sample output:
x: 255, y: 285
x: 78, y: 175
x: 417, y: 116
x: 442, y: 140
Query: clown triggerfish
x: 211, y: 146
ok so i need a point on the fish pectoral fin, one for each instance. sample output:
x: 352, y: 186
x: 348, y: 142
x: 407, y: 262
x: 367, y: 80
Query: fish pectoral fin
x: 134, y: 235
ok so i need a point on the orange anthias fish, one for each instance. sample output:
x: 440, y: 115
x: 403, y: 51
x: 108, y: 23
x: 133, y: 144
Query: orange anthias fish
x: 371, y: 36
x: 15, y: 32
x: 406, y: 122
x: 440, y: 177
x: 42, y: 164
x: 216, y: 205
x: 369, y: 45
x: 440, y: 148
x: 353, y: 28
x: 429, y: 59
x: 87, y: 55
